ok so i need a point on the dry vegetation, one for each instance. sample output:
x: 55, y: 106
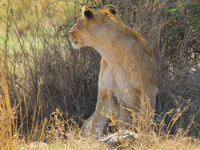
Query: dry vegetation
x: 47, y: 88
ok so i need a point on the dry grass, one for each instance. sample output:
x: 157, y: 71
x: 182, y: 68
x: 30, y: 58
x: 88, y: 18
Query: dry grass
x: 47, y: 88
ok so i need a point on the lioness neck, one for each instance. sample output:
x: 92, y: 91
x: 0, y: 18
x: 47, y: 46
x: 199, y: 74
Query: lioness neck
x: 120, y: 39
x: 112, y: 49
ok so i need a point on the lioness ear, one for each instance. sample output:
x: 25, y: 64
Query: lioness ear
x: 111, y: 9
x: 87, y: 12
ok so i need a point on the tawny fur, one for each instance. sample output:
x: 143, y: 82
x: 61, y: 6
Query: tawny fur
x: 127, y: 77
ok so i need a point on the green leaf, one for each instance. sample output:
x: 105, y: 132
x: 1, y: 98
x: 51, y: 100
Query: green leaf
x: 180, y: 5
x: 11, y: 11
x: 5, y: 41
x: 171, y: 10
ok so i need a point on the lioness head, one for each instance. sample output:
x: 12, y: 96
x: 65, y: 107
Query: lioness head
x: 86, y: 31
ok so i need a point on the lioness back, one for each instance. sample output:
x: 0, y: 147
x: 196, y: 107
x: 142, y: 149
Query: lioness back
x: 127, y: 78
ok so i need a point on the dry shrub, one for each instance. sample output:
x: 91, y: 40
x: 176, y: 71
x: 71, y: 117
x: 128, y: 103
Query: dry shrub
x: 8, y: 130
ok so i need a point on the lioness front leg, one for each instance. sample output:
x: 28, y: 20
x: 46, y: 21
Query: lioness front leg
x: 97, y: 123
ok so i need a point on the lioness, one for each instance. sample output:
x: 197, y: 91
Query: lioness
x: 127, y: 79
